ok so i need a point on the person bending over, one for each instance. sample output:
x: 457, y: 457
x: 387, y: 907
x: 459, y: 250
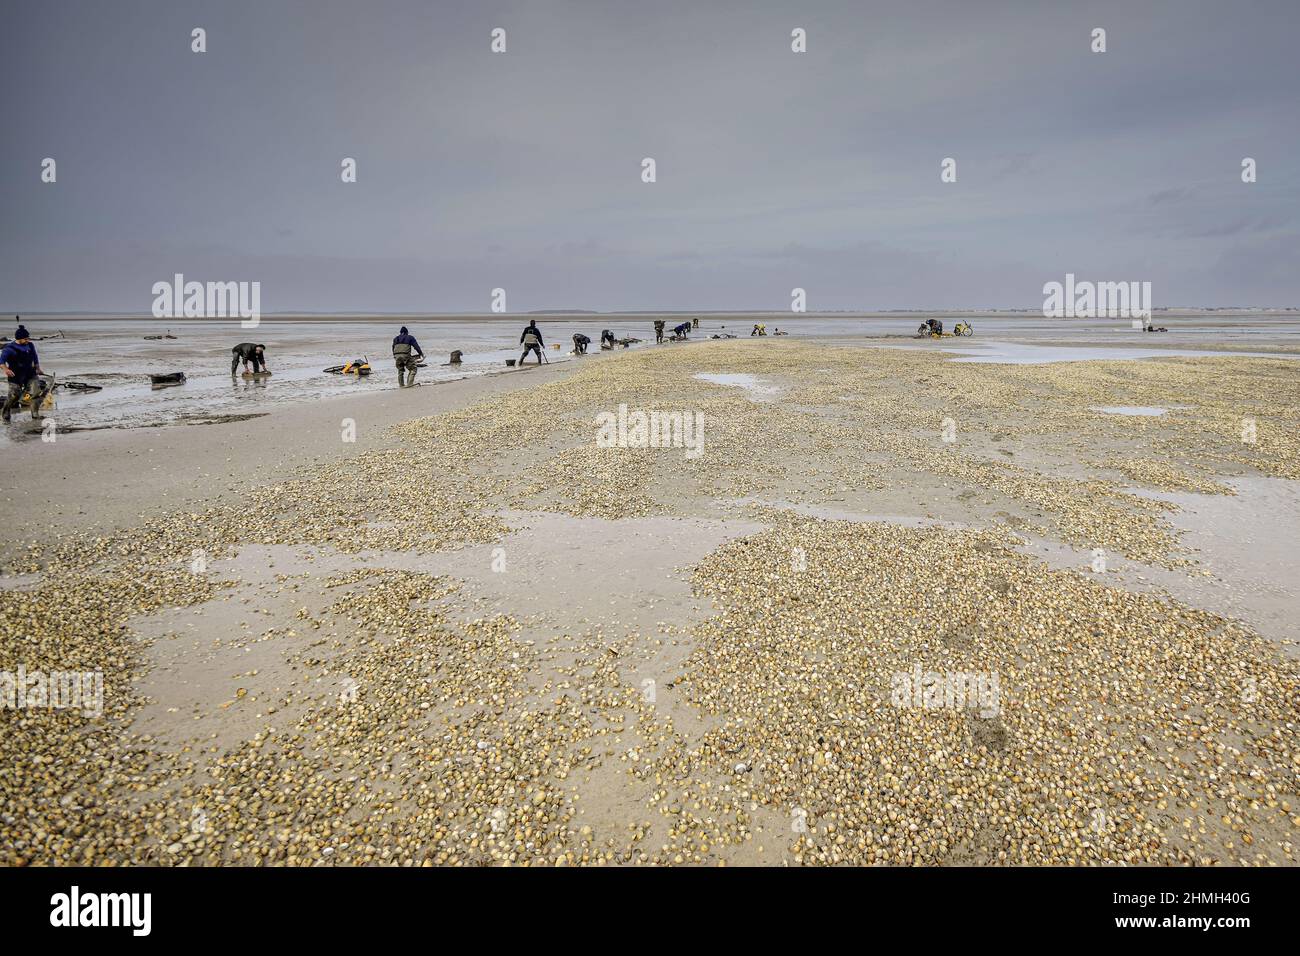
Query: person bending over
x: 248, y: 353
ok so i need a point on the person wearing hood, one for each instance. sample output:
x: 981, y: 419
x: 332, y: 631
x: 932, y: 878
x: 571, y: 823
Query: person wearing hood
x: 580, y: 343
x: 531, y: 340
x: 22, y: 369
x: 404, y: 345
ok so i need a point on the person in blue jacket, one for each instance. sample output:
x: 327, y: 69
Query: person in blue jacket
x: 404, y: 345
x: 22, y: 367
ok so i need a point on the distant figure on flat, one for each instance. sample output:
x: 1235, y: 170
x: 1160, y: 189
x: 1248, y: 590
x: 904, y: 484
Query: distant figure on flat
x: 22, y: 370
x: 403, y: 345
x: 659, y: 331
x: 249, y: 352
x: 531, y: 340
x: 606, y: 339
x: 580, y: 343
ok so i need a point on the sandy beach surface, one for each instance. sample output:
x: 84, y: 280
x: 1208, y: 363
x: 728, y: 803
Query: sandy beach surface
x: 479, y: 633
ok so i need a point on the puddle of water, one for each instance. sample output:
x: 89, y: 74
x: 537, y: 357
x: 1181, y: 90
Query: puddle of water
x: 1145, y: 410
x: 754, y: 386
x: 1011, y: 353
x: 830, y: 513
x: 1245, y: 543
x: 19, y: 582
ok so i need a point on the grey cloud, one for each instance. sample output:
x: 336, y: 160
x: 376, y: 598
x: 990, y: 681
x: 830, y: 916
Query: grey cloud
x: 522, y: 170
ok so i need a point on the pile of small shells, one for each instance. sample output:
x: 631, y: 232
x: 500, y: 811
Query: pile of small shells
x: 1127, y: 728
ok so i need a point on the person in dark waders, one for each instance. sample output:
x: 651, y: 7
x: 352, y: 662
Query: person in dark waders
x: 404, y: 345
x: 22, y: 369
x: 531, y: 340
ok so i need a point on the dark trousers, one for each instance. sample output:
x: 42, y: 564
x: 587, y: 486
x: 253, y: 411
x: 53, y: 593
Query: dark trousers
x: 406, y: 366
x: 234, y: 363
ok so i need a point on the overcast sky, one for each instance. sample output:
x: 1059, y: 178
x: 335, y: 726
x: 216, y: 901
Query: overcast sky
x: 522, y: 170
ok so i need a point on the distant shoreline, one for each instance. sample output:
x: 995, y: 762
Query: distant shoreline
x: 1172, y: 313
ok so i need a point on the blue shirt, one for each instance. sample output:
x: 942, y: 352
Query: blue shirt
x: 22, y: 361
x: 406, y: 338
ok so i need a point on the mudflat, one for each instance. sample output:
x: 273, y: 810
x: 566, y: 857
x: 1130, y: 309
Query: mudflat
x: 766, y: 601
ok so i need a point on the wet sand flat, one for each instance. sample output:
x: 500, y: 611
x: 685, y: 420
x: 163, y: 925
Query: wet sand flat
x: 894, y: 609
x: 118, y: 354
